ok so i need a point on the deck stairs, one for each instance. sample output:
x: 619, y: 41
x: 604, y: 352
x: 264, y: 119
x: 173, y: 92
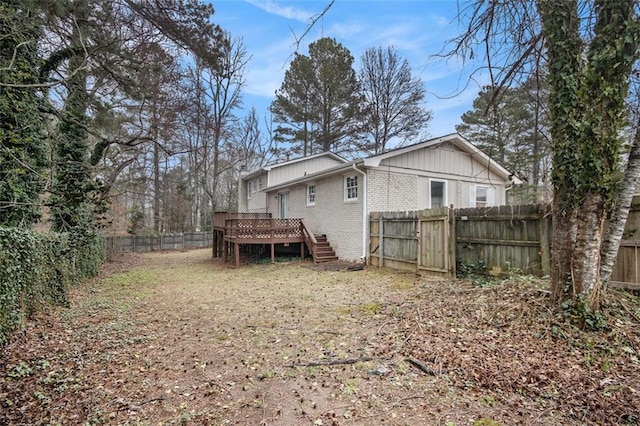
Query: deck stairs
x: 323, y: 251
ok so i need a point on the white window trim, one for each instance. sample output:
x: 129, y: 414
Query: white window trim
x: 346, y: 192
x: 315, y: 189
x: 491, y: 195
x: 445, y: 192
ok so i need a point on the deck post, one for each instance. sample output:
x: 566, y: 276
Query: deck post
x: 273, y: 252
x: 302, y: 250
x: 236, y: 249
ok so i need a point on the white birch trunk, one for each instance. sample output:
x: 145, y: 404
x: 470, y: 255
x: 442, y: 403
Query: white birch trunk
x: 615, y: 228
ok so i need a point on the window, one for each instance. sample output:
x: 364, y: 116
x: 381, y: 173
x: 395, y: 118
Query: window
x: 351, y: 188
x: 311, y: 195
x: 260, y: 184
x: 481, y: 196
x: 437, y: 194
x: 249, y: 189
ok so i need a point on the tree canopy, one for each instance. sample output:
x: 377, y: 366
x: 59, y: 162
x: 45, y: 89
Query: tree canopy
x: 512, y: 127
x: 394, y: 99
x: 319, y: 103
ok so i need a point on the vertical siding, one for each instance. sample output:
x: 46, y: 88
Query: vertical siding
x: 445, y: 161
x: 288, y: 172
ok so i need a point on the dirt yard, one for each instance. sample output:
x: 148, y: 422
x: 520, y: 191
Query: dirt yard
x: 175, y: 338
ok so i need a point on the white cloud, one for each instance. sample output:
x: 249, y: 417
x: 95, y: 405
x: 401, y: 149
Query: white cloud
x: 288, y: 12
x: 345, y: 30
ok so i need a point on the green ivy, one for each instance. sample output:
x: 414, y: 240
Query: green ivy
x: 37, y: 269
x: 22, y: 142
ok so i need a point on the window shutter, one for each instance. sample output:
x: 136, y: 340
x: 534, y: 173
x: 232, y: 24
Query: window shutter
x: 472, y: 196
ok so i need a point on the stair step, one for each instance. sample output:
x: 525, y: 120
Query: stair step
x: 326, y: 259
x: 327, y: 254
x: 323, y: 250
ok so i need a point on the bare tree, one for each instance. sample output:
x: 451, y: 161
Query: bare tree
x: 394, y: 99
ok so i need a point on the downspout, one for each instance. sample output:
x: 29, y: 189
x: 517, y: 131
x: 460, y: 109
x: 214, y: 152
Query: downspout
x: 364, y: 212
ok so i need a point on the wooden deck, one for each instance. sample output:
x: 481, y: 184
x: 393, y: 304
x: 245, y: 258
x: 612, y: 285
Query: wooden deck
x: 231, y: 230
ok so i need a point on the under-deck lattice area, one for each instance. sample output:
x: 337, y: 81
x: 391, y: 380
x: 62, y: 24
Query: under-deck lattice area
x: 232, y: 230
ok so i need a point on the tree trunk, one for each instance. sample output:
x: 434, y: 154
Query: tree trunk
x: 71, y: 206
x: 622, y: 205
x: 577, y: 239
x: 156, y: 187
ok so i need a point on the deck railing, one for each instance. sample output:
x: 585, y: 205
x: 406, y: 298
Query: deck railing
x: 285, y: 230
x: 309, y: 239
x: 220, y: 217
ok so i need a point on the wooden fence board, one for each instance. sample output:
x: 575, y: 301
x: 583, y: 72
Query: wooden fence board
x: 501, y: 238
x: 145, y: 243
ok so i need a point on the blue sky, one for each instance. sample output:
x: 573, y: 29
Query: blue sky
x: 417, y: 28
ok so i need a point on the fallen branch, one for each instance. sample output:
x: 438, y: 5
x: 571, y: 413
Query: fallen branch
x: 333, y: 362
x: 424, y: 367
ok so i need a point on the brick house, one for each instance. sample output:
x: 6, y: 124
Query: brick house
x: 251, y: 190
x: 336, y: 200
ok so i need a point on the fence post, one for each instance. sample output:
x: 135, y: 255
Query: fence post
x: 453, y: 262
x: 381, y: 241
x: 545, y: 243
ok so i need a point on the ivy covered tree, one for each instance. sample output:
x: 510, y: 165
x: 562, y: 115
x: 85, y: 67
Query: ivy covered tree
x: 590, y: 49
x: 70, y: 206
x: 97, y: 56
x: 319, y: 104
x: 22, y: 143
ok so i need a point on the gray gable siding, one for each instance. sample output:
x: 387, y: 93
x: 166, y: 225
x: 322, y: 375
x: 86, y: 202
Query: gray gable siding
x: 288, y: 172
x: 446, y: 161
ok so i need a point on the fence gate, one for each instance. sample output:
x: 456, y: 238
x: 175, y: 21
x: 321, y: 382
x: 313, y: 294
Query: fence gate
x: 434, y: 234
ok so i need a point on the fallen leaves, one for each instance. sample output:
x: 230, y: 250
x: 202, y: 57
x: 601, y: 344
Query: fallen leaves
x: 176, y: 338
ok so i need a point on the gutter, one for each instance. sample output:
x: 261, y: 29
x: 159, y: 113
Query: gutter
x: 364, y: 212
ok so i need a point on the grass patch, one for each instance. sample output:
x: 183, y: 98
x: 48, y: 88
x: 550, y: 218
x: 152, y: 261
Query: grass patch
x: 370, y: 308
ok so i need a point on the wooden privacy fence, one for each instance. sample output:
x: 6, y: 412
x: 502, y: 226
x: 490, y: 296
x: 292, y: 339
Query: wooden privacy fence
x: 415, y: 240
x: 500, y: 239
x: 505, y: 238
x: 142, y: 243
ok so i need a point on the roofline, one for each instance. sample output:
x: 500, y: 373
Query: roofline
x: 341, y: 168
x: 374, y: 161
x: 253, y: 174
x: 456, y: 138
x: 295, y: 160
